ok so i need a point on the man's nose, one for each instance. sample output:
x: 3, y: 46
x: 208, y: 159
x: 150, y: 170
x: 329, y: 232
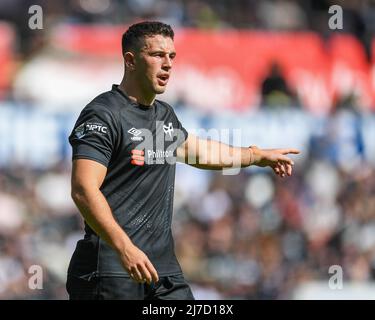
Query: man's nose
x: 167, y: 63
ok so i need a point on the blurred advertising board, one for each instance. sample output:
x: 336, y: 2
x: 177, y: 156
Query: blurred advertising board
x: 213, y: 70
x: 39, y: 139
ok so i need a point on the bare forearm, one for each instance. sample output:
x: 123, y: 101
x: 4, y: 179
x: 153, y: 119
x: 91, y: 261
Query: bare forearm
x: 214, y: 155
x: 98, y: 215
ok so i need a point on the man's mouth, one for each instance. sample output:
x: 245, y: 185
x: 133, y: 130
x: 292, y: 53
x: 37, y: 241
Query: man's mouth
x: 163, y: 79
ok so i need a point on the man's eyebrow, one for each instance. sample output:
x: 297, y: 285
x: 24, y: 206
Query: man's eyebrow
x: 162, y: 51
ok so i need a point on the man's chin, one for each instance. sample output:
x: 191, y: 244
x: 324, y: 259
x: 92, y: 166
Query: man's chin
x: 160, y: 90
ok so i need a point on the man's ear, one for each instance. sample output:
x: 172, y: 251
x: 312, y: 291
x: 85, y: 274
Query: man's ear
x: 129, y: 59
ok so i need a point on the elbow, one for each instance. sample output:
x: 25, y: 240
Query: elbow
x: 75, y: 195
x: 78, y: 192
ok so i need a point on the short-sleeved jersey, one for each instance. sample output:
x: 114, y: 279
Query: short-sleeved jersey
x: 140, y: 196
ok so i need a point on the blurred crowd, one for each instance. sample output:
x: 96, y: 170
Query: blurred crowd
x: 259, y: 237
x: 247, y: 236
x: 39, y: 225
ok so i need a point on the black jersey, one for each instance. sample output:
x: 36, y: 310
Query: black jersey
x: 140, y: 196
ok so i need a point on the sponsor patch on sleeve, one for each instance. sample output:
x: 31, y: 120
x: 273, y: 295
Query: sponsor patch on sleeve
x: 90, y: 128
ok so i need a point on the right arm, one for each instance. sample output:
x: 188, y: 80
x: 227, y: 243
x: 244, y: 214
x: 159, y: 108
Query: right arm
x: 87, y: 177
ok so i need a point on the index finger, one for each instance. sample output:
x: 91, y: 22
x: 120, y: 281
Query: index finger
x: 292, y: 151
x: 153, y: 271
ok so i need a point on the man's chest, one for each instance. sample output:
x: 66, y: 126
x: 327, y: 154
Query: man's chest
x: 157, y: 138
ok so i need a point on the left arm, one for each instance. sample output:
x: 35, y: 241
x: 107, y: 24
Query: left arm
x: 214, y: 155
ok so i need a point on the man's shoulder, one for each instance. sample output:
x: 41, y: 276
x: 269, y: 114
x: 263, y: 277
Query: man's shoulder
x: 108, y: 98
x: 105, y: 102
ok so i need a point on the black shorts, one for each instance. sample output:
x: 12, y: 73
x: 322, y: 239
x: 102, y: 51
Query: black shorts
x: 122, y: 288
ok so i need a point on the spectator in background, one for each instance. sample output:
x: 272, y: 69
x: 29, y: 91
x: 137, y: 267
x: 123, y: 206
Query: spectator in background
x: 275, y: 90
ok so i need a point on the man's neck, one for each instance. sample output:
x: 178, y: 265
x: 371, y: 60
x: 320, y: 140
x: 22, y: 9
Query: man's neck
x: 135, y: 94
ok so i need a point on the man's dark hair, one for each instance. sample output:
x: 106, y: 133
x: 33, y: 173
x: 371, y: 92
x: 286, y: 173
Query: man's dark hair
x: 136, y: 33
